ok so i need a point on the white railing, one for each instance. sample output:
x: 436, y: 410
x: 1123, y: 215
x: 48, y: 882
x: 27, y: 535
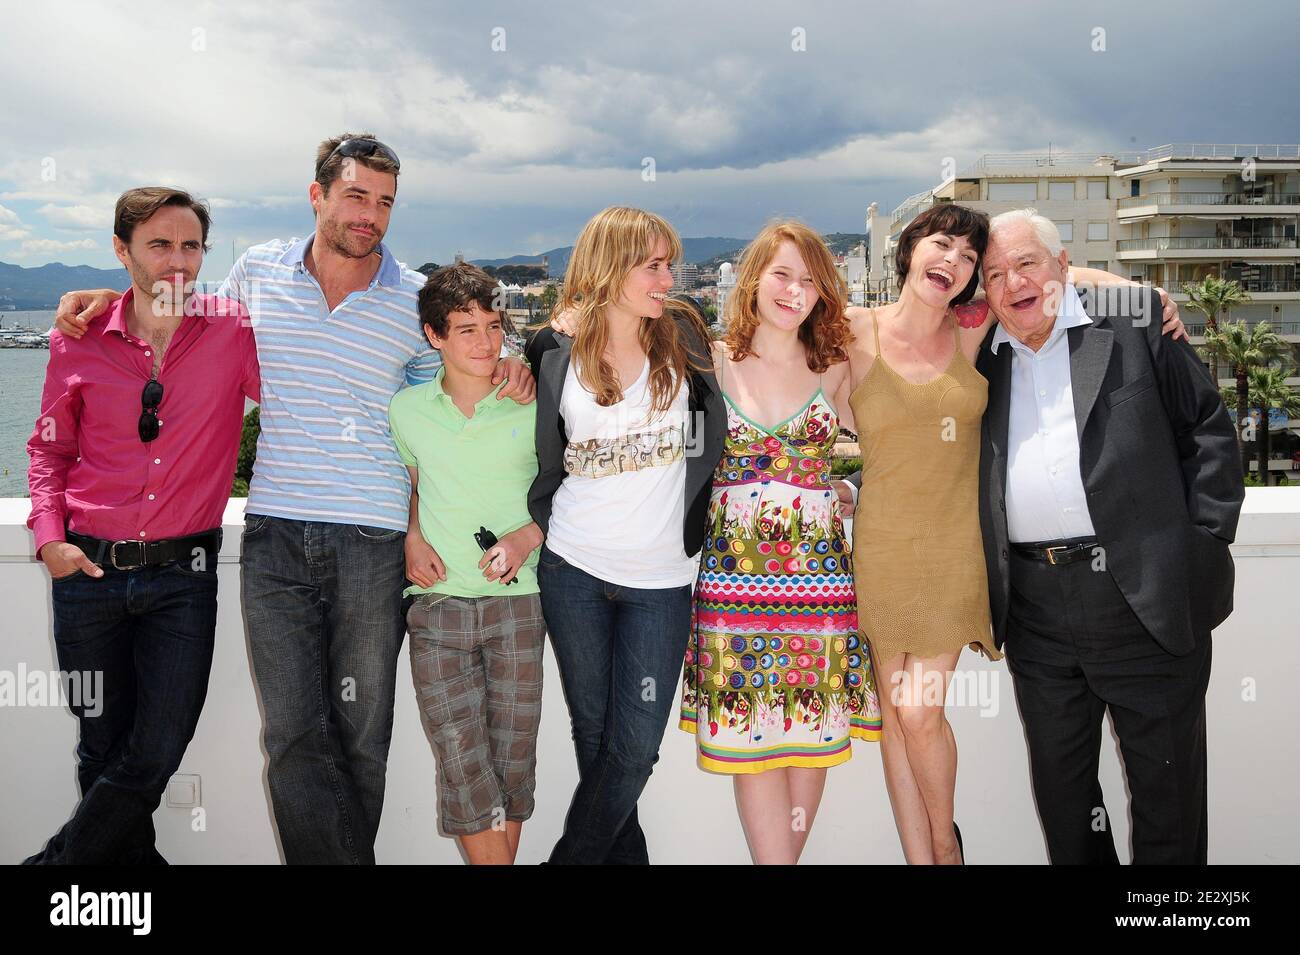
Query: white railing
x: 1210, y: 199
x: 995, y: 162
x: 1223, y: 151
x: 910, y: 208
x: 1170, y: 243
x: 991, y: 162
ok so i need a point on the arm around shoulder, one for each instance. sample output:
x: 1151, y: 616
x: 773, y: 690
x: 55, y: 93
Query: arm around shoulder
x: 539, y: 342
x: 53, y: 445
x: 1205, y: 437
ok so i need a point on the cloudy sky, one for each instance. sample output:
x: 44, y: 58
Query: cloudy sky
x: 516, y: 122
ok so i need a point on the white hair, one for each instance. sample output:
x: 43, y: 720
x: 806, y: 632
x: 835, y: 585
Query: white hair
x: 1043, y: 227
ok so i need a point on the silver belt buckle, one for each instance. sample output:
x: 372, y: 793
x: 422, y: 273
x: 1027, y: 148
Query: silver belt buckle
x: 112, y: 555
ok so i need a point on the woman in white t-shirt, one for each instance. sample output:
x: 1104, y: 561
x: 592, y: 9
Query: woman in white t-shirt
x: 630, y: 425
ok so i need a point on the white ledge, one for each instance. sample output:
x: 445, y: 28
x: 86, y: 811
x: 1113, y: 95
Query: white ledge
x: 689, y: 816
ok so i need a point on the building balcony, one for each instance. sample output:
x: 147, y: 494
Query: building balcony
x: 909, y: 209
x: 1206, y: 156
x: 1289, y: 467
x: 1260, y: 291
x: 1285, y: 329
x: 1131, y: 208
x: 688, y: 815
x: 1191, y: 247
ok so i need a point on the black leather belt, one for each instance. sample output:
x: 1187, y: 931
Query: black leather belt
x: 1057, y: 552
x: 128, y: 555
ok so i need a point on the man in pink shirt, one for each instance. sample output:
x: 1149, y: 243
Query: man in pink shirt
x: 132, y: 461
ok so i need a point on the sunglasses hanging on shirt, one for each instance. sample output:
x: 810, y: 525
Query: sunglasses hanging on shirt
x: 150, y: 399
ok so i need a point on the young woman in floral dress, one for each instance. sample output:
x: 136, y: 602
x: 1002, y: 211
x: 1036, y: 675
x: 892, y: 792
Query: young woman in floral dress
x: 778, y: 679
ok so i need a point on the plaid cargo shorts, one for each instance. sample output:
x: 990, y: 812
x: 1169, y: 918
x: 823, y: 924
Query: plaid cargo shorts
x: 477, y: 664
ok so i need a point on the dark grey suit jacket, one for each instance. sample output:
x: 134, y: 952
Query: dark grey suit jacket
x: 1159, y: 461
x: 548, y: 353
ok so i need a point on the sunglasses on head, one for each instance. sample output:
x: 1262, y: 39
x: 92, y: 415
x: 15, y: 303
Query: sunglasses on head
x: 150, y: 399
x: 362, y: 148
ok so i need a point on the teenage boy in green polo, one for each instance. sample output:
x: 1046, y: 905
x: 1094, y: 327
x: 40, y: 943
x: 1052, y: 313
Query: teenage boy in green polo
x: 476, y: 625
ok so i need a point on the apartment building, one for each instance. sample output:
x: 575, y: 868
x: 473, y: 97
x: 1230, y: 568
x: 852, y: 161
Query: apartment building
x: 685, y: 275
x: 852, y: 267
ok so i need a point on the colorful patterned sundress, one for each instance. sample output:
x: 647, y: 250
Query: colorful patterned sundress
x: 777, y: 673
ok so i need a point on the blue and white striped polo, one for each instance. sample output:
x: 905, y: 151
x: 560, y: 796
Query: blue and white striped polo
x: 325, y: 453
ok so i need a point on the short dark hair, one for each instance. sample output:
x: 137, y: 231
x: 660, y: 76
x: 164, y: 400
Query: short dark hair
x: 139, y: 205
x: 453, y: 288
x: 950, y: 219
x: 329, y: 166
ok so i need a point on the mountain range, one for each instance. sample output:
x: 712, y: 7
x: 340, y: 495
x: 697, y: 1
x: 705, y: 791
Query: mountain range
x: 709, y: 251
x: 693, y: 250
x: 40, y: 287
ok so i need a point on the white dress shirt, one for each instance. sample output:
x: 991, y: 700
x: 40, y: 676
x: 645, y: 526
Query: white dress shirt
x: 1045, y: 495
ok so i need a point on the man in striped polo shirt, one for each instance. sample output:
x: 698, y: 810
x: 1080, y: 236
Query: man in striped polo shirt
x: 324, y: 548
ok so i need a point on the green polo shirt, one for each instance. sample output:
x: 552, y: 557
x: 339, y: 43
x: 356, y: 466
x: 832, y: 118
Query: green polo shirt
x: 472, y: 472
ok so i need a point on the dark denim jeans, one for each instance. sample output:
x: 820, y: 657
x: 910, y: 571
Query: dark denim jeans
x: 323, y: 603
x: 620, y: 652
x: 150, y: 632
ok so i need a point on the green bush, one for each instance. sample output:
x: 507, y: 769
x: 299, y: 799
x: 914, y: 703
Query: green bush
x: 842, y: 467
x: 247, y: 454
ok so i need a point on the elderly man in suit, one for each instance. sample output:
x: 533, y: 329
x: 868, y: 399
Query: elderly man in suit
x: 1109, y: 492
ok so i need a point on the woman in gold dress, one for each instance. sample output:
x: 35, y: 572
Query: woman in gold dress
x: 919, y: 563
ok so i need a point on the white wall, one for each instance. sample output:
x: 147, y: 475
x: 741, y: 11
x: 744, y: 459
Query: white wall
x: 689, y: 815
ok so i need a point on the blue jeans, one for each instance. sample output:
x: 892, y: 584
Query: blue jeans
x: 150, y: 633
x: 620, y: 652
x: 323, y: 604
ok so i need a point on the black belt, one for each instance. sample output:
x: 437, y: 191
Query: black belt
x: 1057, y: 552
x: 128, y: 555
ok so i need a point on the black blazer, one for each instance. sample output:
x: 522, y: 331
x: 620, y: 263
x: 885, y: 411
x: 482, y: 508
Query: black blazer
x: 1159, y: 461
x: 548, y: 353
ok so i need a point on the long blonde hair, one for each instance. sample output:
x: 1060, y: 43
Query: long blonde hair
x: 825, y: 332
x: 614, y: 243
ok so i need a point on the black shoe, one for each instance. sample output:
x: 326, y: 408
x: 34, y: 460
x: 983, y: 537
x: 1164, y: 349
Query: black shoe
x: 960, y: 848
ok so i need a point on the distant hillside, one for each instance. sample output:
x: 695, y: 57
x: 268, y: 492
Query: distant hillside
x: 698, y: 250
x: 842, y: 243
x: 839, y: 243
x: 512, y: 274
x: 41, y: 287
x: 556, y: 255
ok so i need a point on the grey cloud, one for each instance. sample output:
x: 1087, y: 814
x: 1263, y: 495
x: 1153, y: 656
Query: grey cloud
x: 529, y: 142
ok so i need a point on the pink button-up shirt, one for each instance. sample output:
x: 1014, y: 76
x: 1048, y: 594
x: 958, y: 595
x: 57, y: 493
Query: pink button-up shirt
x: 91, y: 473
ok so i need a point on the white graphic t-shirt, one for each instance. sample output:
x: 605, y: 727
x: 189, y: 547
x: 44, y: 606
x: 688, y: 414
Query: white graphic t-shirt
x: 618, y: 513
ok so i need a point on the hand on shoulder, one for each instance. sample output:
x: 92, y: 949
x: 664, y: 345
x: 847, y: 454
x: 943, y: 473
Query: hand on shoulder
x: 861, y: 319
x: 720, y: 351
x: 972, y: 314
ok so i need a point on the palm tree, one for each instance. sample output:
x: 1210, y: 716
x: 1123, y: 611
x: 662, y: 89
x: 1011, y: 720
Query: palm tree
x: 1243, y: 349
x: 1268, y: 389
x: 1211, y: 297
x: 550, y: 295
